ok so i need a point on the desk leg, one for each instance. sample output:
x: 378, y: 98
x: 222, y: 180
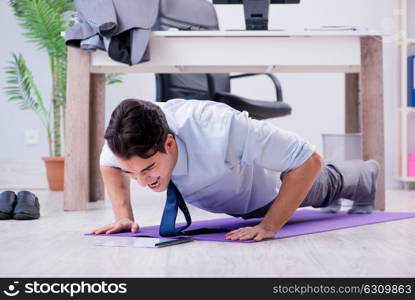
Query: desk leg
x: 352, y: 104
x: 97, y: 123
x: 77, y: 192
x: 372, y: 108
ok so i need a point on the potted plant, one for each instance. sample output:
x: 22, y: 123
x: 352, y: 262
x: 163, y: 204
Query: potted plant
x: 43, y: 21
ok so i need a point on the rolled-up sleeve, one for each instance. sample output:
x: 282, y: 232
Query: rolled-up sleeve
x: 259, y: 142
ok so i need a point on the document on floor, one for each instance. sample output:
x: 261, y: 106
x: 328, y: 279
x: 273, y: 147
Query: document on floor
x: 142, y: 242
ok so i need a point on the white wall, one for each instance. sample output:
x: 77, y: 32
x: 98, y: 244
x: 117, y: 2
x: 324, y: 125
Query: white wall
x: 13, y: 123
x: 317, y: 99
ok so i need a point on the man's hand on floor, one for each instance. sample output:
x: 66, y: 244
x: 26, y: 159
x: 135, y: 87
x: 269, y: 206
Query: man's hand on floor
x: 257, y: 233
x: 121, y: 225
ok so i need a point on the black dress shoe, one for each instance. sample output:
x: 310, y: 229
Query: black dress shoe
x: 7, y: 204
x: 27, y: 206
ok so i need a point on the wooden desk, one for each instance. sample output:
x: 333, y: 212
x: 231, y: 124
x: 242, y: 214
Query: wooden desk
x: 358, y: 54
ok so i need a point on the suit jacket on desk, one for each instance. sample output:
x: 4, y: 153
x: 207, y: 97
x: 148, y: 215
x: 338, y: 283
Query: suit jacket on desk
x: 121, y: 27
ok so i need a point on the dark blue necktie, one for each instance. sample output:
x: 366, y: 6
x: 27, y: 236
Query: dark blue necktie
x: 168, y: 220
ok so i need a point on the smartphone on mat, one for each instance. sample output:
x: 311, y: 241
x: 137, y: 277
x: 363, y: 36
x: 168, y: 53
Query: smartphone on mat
x: 164, y: 242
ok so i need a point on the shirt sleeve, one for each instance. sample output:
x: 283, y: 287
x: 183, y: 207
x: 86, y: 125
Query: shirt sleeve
x: 259, y: 142
x: 108, y: 158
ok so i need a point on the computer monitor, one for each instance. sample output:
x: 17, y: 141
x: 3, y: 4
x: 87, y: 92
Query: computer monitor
x: 256, y: 11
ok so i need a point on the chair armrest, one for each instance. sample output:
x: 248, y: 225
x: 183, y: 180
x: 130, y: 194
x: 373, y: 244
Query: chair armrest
x: 257, y: 109
x: 275, y: 80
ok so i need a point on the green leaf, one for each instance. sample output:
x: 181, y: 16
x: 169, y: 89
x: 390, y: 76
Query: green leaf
x: 43, y: 23
x: 20, y: 88
x: 113, y: 78
x: 61, y: 6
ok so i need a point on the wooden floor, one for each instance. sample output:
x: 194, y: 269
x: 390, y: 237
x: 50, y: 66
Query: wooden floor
x: 54, y: 246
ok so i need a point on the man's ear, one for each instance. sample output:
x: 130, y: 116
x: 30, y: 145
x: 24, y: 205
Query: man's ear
x: 170, y: 141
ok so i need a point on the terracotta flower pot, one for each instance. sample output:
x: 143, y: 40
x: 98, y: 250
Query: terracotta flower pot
x: 54, y: 172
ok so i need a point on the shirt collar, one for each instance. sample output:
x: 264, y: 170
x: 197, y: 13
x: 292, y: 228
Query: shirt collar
x: 181, y: 165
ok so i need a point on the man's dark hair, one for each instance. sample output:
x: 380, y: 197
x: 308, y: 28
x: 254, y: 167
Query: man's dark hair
x: 137, y: 127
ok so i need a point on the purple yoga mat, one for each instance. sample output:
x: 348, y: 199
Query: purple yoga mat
x: 302, y: 222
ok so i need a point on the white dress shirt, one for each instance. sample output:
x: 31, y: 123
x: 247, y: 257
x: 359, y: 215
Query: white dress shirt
x: 227, y: 162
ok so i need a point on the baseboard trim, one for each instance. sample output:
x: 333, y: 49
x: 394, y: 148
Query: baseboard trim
x: 23, y: 174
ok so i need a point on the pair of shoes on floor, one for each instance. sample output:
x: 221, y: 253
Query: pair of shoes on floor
x: 360, y: 207
x: 23, y: 206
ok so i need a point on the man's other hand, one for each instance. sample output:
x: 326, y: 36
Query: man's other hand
x: 256, y: 233
x: 121, y: 225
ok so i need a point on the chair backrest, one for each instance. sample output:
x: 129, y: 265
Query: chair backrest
x: 187, y: 15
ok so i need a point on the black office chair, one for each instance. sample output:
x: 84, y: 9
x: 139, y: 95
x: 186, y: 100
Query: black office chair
x: 201, y: 15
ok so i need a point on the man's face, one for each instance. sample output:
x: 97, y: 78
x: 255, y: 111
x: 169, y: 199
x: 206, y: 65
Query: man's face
x: 155, y: 171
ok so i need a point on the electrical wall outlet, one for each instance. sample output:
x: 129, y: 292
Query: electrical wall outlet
x: 31, y: 137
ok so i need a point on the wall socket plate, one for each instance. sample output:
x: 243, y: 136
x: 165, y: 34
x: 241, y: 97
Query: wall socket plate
x: 31, y: 137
